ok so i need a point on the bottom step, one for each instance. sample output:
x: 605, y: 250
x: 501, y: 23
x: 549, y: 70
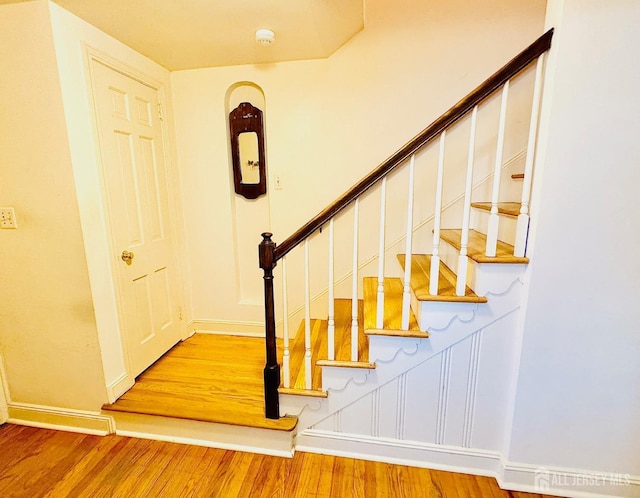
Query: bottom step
x: 224, y: 436
x: 207, y: 378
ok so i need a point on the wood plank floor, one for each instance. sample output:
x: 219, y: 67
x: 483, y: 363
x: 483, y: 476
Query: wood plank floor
x: 210, y: 378
x: 38, y: 463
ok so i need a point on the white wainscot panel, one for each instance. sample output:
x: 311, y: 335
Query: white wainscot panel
x: 357, y: 418
x: 458, y: 378
x: 423, y: 387
x: 495, y: 379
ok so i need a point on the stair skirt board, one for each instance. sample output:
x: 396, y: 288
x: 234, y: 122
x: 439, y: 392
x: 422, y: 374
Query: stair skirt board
x: 557, y: 481
x: 223, y: 436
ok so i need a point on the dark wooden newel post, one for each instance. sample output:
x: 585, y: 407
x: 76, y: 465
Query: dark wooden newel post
x: 271, y: 368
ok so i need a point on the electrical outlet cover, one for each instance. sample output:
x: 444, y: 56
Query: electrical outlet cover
x: 8, y: 218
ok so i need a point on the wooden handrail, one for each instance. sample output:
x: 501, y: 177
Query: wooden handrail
x: 455, y: 113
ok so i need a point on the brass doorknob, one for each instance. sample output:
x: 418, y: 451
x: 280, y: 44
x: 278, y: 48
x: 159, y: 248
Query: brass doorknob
x: 127, y: 256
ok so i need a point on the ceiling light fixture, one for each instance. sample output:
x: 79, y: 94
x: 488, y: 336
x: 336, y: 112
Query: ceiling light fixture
x: 265, y: 37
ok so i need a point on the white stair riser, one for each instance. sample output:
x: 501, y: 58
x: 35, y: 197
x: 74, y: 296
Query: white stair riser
x: 437, y: 315
x: 224, y: 436
x: 506, y: 228
x: 483, y: 277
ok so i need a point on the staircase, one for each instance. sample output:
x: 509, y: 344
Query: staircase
x: 444, y: 279
x: 404, y: 293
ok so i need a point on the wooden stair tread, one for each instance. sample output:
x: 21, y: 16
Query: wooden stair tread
x: 392, y: 321
x: 319, y: 352
x: 208, y: 378
x: 297, y: 355
x: 315, y: 393
x: 421, y: 276
x: 508, y: 208
x: 346, y: 364
x: 238, y: 414
x: 477, y: 244
x: 518, y: 176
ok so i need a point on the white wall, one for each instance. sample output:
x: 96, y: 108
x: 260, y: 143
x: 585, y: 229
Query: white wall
x: 578, y: 402
x: 58, y: 316
x: 48, y: 334
x: 72, y: 37
x: 329, y: 122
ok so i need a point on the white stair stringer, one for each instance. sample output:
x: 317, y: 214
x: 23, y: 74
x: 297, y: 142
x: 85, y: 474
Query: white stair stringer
x: 393, y: 356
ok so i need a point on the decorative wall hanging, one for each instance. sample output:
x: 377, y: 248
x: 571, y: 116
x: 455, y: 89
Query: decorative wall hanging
x: 247, y: 151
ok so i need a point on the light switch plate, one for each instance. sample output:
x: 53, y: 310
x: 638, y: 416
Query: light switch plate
x: 8, y: 217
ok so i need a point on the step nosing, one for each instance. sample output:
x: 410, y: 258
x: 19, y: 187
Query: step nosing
x: 398, y: 333
x: 346, y: 364
x: 284, y: 424
x: 426, y: 297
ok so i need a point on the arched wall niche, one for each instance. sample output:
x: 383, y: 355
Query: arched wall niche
x: 251, y: 217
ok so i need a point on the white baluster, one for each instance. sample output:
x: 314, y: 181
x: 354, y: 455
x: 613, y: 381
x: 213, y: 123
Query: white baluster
x: 434, y: 274
x: 522, y: 228
x: 494, y: 219
x: 354, y: 285
x: 285, y: 313
x: 463, y: 260
x: 406, y: 291
x: 331, y: 329
x: 307, y: 319
x: 380, y: 296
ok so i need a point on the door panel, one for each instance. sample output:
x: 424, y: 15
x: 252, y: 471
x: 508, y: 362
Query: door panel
x: 131, y: 145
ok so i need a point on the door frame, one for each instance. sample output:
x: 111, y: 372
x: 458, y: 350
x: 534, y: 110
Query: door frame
x: 116, y: 352
x: 4, y: 393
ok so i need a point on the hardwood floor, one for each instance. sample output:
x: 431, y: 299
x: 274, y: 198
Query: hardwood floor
x: 45, y: 463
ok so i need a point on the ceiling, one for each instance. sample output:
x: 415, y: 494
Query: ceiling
x: 188, y: 34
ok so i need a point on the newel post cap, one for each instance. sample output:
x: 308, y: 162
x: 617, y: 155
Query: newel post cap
x: 266, y: 250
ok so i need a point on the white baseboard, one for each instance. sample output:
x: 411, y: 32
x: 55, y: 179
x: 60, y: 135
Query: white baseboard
x: 511, y: 476
x: 227, y: 327
x: 412, y: 453
x: 64, y: 419
x: 119, y: 386
x: 568, y: 482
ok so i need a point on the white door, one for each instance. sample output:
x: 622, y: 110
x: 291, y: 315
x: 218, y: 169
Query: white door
x: 131, y: 147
